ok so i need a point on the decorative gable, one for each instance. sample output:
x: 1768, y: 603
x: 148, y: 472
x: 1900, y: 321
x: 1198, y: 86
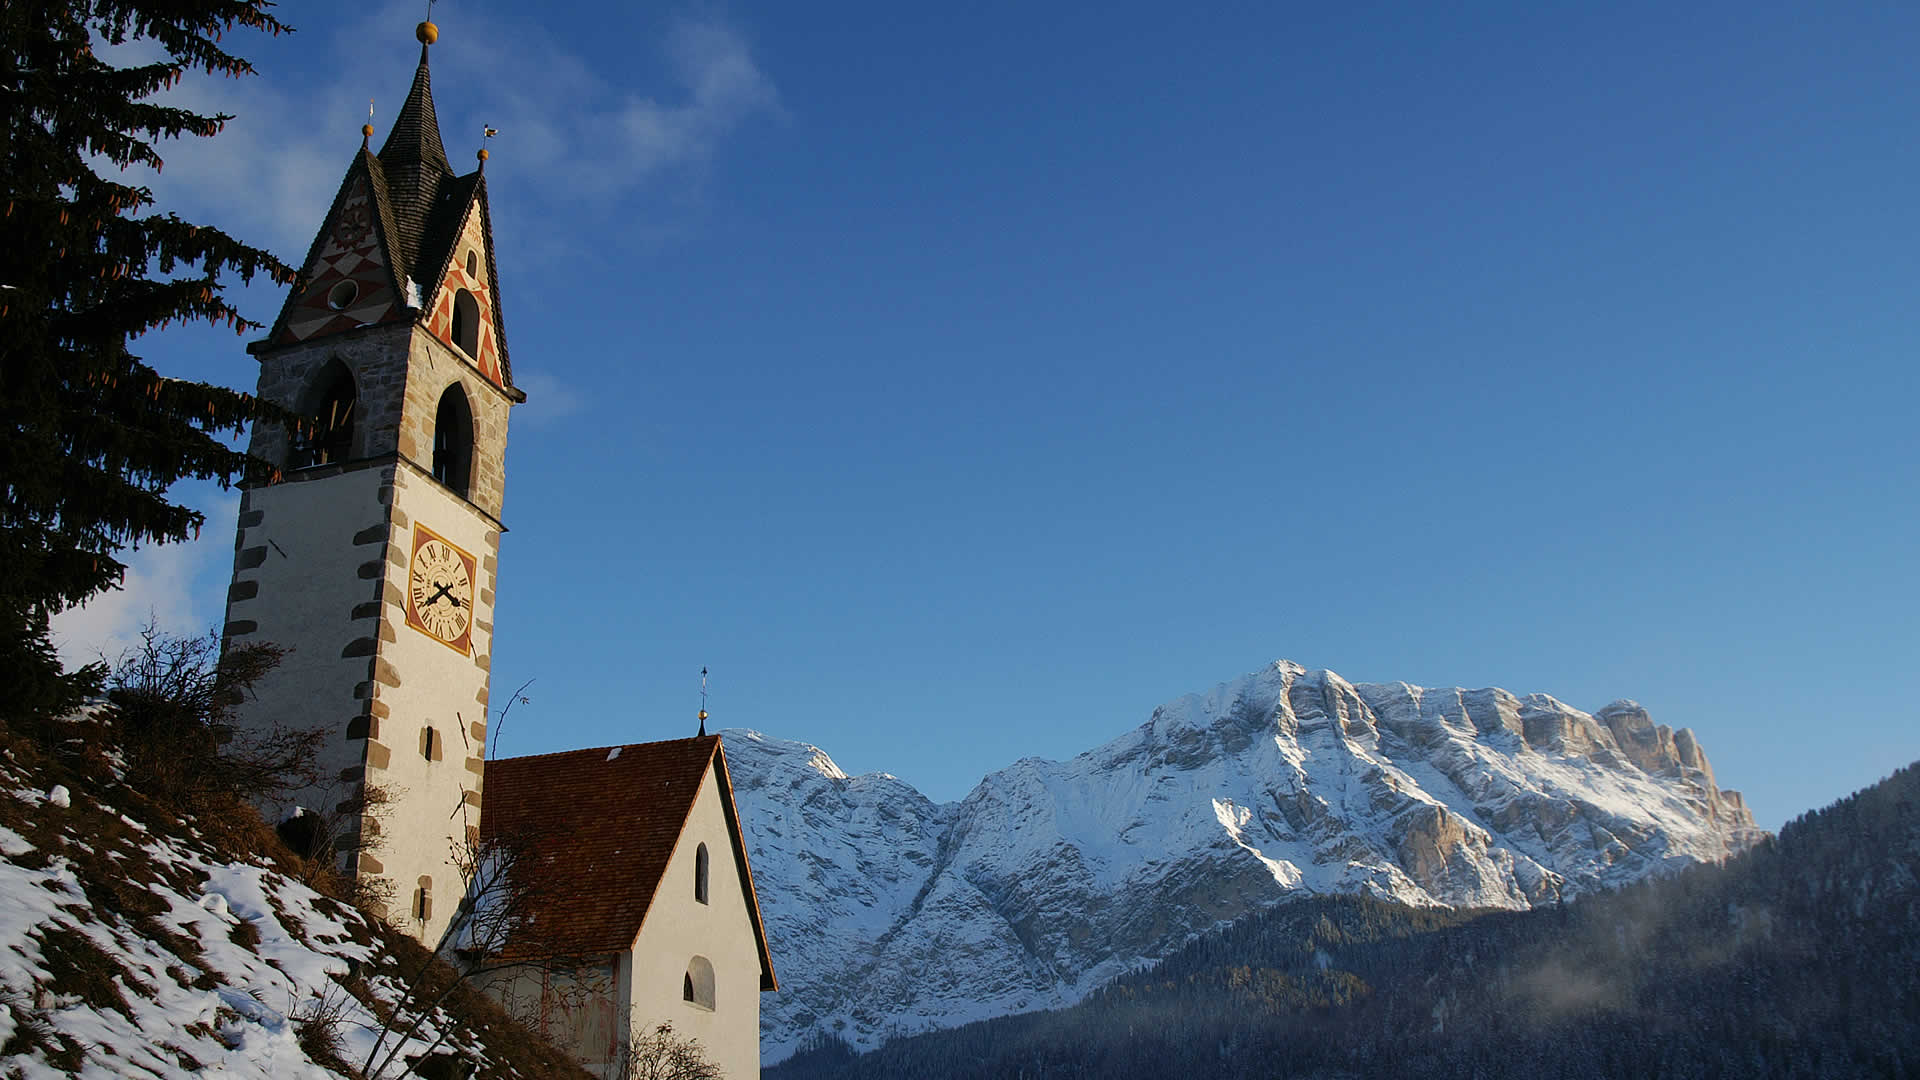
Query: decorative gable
x: 464, y: 310
x: 348, y: 280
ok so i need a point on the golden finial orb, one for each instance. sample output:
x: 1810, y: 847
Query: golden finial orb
x: 427, y: 33
x: 482, y: 155
x: 367, y: 130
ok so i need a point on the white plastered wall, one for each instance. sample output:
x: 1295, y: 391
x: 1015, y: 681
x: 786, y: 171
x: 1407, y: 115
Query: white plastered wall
x: 300, y: 582
x: 421, y: 682
x: 323, y: 565
x: 678, y: 927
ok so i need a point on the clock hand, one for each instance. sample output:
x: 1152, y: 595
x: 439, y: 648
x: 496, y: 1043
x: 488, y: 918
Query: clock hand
x: 443, y: 592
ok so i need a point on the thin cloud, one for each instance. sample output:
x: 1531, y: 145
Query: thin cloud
x: 724, y: 87
x: 548, y: 399
x: 585, y: 136
x: 173, y: 586
x: 260, y: 178
x: 567, y: 131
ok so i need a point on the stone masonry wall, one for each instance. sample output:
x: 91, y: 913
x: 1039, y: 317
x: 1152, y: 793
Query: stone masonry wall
x: 399, y: 374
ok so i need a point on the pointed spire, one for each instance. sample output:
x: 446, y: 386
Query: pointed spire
x: 413, y: 154
x: 413, y: 163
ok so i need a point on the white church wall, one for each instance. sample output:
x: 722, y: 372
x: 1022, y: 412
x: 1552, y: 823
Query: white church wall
x: 678, y: 927
x: 301, y: 581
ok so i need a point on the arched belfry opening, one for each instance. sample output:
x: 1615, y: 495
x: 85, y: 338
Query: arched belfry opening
x: 453, y: 440
x: 466, y: 323
x: 326, y: 437
x: 700, y: 868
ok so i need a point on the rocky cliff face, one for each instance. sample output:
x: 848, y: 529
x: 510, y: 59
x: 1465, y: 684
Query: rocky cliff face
x: 890, y: 914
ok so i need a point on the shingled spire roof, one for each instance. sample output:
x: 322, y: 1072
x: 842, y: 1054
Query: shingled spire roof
x: 414, y: 162
x: 415, y: 138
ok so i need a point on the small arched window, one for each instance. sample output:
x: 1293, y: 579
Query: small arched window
x: 697, y: 987
x: 700, y: 873
x: 453, y: 440
x: 466, y: 323
x: 326, y: 436
x: 423, y: 899
x: 429, y: 744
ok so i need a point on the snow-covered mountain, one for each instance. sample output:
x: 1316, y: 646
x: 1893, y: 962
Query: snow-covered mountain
x: 890, y: 914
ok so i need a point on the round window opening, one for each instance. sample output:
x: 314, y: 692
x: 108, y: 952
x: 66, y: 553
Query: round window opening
x: 341, y: 295
x: 473, y: 264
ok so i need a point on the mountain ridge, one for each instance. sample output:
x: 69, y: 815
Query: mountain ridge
x: 894, y: 914
x: 1795, y: 958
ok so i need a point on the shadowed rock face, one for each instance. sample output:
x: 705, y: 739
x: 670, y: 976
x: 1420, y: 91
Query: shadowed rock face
x: 890, y: 914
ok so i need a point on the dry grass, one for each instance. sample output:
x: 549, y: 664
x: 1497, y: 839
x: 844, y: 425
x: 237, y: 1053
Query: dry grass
x: 78, y: 967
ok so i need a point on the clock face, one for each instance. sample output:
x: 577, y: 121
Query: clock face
x: 440, y: 590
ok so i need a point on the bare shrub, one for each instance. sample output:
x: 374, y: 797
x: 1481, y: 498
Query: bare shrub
x: 317, y: 1024
x: 173, y: 702
x: 661, y: 1055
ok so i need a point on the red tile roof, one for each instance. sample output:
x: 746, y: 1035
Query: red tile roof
x: 606, y: 821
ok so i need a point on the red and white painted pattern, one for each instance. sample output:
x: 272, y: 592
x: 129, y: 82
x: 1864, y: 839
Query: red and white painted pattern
x: 349, y: 251
x: 472, y: 242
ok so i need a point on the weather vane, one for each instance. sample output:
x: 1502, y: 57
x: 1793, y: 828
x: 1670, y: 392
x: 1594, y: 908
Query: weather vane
x: 486, y: 133
x: 703, y: 701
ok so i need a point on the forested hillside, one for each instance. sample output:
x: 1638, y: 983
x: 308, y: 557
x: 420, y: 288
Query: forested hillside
x: 1797, y: 959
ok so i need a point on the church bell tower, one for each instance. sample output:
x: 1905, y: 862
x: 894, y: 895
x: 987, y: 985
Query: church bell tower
x: 369, y: 545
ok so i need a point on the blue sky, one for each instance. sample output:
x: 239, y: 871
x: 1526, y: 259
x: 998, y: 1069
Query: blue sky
x: 958, y: 386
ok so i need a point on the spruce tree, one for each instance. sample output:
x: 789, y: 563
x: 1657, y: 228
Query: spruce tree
x: 92, y: 438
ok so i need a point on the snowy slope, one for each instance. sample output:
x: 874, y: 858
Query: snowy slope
x: 890, y: 914
x: 130, y: 946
